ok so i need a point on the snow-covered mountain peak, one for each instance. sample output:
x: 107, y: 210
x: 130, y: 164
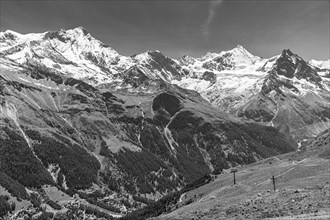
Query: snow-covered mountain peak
x: 69, y: 34
x: 321, y: 64
x: 80, y: 30
x: 240, y: 51
x: 208, y: 56
x: 80, y: 39
x: 9, y: 34
x: 240, y: 48
x: 288, y: 56
x: 148, y: 55
x: 143, y: 57
x: 76, y: 33
x: 237, y: 58
x: 77, y: 41
x: 316, y: 62
x: 291, y: 66
x: 76, y: 53
x: 73, y: 52
x: 287, y: 52
x: 15, y: 35
x: 9, y: 38
x: 186, y: 59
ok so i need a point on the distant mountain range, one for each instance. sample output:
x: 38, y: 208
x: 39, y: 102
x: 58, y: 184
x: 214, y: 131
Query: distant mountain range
x: 77, y: 115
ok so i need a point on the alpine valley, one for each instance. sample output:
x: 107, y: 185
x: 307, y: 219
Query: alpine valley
x: 83, y: 126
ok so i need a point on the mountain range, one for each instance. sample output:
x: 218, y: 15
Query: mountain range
x: 77, y: 115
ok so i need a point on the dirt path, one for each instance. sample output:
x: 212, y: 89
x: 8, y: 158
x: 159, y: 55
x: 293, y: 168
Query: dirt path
x: 180, y: 200
x: 281, y: 174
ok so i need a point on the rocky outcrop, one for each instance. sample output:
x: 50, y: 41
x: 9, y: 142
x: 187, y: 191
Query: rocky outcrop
x: 290, y: 65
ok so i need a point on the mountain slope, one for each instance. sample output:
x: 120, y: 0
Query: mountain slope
x: 235, y: 59
x: 322, y: 65
x: 301, y: 181
x: 72, y: 135
x: 284, y: 92
x: 77, y: 54
x: 117, y: 131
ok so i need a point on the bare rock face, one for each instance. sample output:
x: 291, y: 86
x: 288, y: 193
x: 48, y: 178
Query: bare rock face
x: 209, y: 76
x: 298, y: 105
x: 290, y: 65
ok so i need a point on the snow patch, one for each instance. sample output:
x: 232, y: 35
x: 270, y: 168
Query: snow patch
x: 54, y: 170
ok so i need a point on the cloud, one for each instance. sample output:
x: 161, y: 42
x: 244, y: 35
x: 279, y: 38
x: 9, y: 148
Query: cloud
x: 213, y: 5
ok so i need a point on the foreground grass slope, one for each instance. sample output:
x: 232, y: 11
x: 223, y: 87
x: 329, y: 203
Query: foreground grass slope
x: 302, y: 189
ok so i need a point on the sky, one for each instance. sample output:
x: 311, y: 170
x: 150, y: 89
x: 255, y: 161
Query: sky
x: 177, y: 28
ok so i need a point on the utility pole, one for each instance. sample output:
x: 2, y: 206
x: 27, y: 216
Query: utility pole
x: 234, y: 170
x: 273, y: 177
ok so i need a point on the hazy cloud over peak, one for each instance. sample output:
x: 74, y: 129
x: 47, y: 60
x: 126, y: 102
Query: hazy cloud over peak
x: 213, y: 5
